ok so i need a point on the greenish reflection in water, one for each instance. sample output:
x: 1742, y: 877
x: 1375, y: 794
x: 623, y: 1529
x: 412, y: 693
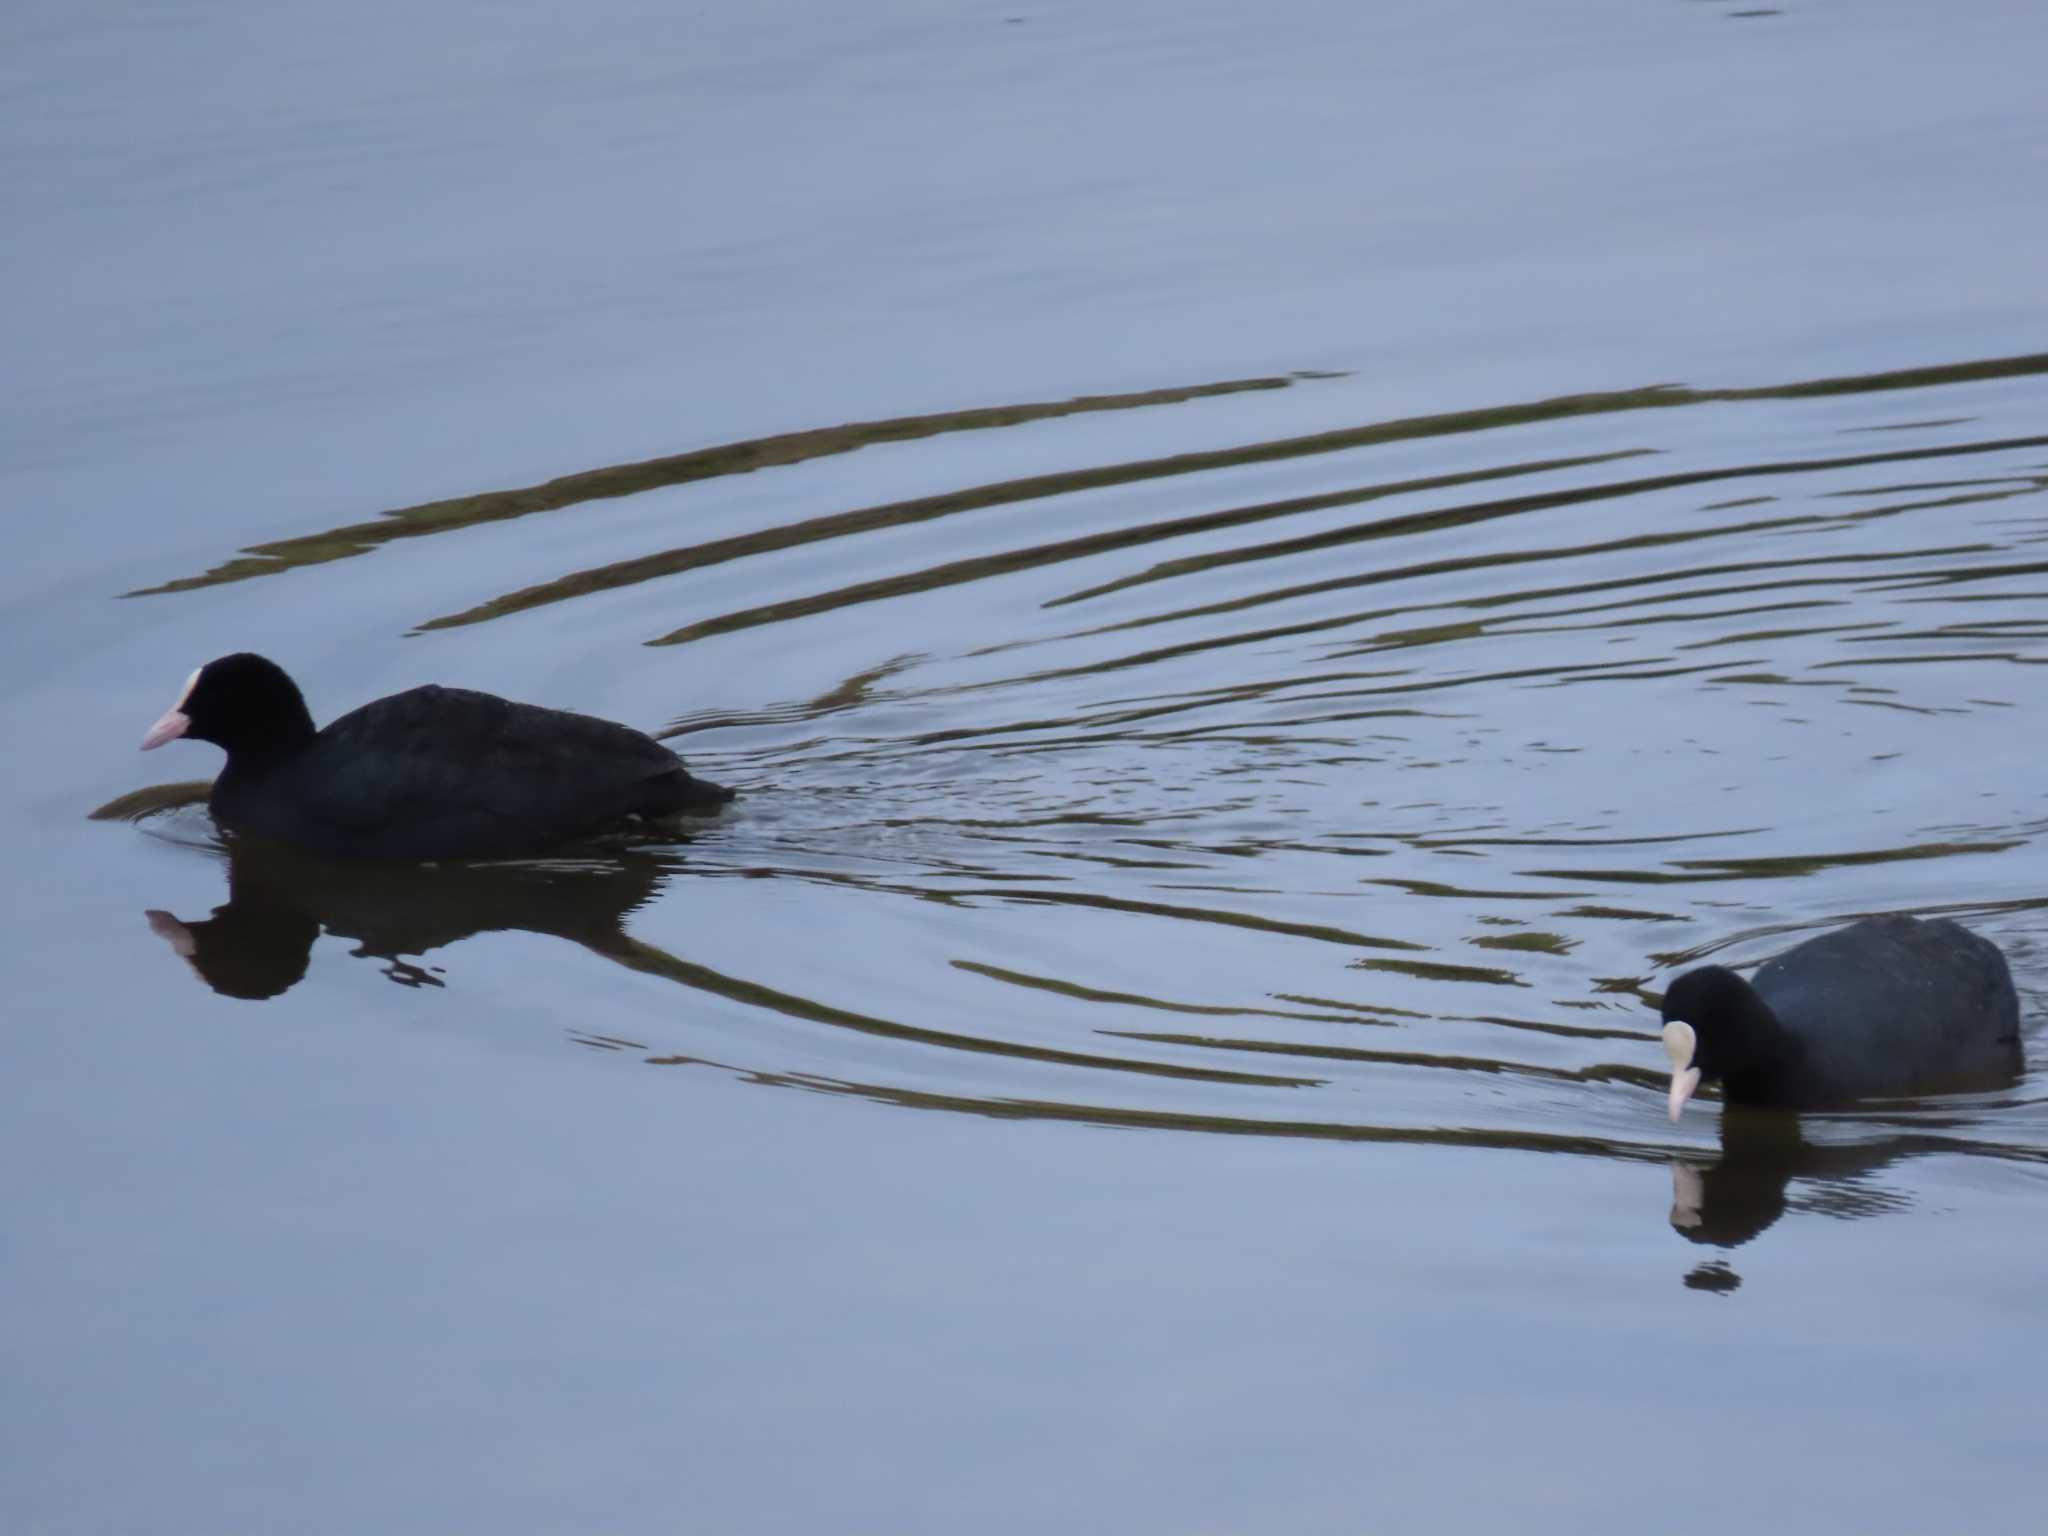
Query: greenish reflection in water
x: 1353, y: 802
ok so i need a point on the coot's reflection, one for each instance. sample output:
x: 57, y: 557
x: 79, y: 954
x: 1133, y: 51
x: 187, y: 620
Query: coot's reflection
x: 1767, y: 1167
x: 257, y: 943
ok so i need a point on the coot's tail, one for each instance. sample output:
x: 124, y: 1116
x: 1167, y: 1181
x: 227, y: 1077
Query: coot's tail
x: 683, y: 791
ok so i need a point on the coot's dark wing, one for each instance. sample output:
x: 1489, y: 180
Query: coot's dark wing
x: 1896, y: 1005
x: 449, y: 773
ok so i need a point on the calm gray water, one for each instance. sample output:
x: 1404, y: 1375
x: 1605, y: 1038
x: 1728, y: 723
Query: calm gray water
x: 1267, y: 576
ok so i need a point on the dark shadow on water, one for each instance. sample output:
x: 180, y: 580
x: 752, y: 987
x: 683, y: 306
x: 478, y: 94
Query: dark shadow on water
x: 1768, y: 1168
x: 258, y: 942
x: 140, y: 805
x: 1728, y: 1202
x: 609, y: 482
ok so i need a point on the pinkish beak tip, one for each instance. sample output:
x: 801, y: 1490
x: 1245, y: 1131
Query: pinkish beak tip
x: 173, y: 725
x: 1683, y: 1085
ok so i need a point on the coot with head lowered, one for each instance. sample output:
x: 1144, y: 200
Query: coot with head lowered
x: 1882, y: 1008
x: 431, y: 773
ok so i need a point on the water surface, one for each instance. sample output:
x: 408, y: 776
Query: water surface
x: 1265, y: 587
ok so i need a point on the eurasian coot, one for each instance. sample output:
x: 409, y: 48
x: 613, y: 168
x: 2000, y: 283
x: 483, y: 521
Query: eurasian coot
x: 431, y: 773
x: 1885, y: 1007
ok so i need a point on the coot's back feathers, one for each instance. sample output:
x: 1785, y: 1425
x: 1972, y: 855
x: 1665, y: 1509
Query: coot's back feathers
x: 1895, y: 1005
x: 431, y: 773
x: 1884, y: 1007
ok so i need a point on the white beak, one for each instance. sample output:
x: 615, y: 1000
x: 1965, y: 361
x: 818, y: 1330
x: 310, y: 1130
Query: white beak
x: 175, y: 721
x: 1680, y: 1044
x: 173, y: 725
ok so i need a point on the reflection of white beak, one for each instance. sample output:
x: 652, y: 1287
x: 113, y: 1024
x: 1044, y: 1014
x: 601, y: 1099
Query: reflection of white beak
x: 179, y: 937
x: 1688, y: 1196
x: 173, y: 725
x: 1680, y: 1044
x: 172, y: 932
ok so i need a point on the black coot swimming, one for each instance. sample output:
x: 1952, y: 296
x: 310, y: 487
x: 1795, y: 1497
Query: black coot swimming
x: 431, y: 773
x: 1882, y: 1008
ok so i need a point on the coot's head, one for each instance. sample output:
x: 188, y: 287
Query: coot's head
x: 243, y: 703
x: 1715, y: 1026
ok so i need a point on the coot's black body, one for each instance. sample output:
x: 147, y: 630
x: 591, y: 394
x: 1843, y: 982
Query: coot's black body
x: 1885, y: 1007
x: 432, y: 773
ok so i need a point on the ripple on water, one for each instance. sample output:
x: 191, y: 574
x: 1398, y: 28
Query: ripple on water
x: 1362, y: 784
